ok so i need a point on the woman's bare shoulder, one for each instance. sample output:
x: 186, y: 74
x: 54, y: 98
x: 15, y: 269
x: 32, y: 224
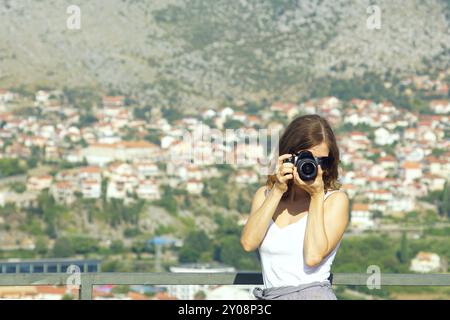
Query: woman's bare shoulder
x: 337, y: 197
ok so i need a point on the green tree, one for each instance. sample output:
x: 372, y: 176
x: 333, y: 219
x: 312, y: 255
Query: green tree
x: 116, y: 246
x: 403, y: 254
x: 233, y: 124
x: 63, y: 248
x: 195, y: 244
x: 11, y: 167
x: 200, y: 295
x: 83, y: 244
x: 41, y: 246
x: 18, y: 187
x: 188, y: 254
x: 50, y: 212
x: 445, y: 203
x: 167, y: 201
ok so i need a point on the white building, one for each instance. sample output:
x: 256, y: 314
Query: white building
x: 20, y: 200
x: 400, y: 205
x: 425, y: 262
x: 384, y: 137
x: 6, y: 96
x: 101, y: 154
x: 38, y: 183
x: 440, y: 106
x: 246, y: 176
x: 361, y: 217
x: 148, y: 189
x: 63, y: 192
x: 412, y: 170
x: 116, y: 190
x: 42, y: 97
x: 146, y: 169
x: 194, y: 186
x: 187, y: 292
x: 225, y: 113
x: 91, y: 189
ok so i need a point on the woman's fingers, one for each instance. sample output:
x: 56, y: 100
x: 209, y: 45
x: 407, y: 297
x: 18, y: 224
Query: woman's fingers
x: 285, y: 170
x: 287, y: 177
x: 319, y: 171
x: 283, y: 157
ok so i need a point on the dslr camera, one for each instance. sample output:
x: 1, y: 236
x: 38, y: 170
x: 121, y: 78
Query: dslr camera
x: 307, y: 164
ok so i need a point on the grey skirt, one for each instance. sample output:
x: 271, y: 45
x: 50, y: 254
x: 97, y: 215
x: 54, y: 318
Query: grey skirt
x: 310, y: 291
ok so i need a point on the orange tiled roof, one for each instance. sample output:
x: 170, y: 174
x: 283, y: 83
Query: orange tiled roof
x: 411, y: 165
x: 360, y: 207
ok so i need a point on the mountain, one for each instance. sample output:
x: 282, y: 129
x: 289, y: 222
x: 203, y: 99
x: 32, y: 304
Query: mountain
x: 197, y: 52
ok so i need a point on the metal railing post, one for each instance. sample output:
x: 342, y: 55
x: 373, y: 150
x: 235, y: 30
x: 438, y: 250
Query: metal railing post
x: 86, y: 287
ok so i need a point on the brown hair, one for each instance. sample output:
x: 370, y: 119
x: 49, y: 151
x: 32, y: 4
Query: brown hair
x: 305, y: 132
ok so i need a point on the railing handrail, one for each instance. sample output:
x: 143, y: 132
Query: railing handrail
x: 88, y: 280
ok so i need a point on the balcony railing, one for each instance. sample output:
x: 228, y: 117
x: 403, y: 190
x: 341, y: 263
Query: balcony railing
x: 88, y: 280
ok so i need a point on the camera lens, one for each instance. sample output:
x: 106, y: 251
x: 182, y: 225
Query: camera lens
x: 308, y: 168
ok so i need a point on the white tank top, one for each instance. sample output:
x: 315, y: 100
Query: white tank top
x: 281, y: 253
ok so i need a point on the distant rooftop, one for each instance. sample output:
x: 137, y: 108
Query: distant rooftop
x: 48, y: 260
x: 202, y: 267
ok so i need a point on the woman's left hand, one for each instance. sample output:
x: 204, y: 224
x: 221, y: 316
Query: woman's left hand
x: 315, y: 187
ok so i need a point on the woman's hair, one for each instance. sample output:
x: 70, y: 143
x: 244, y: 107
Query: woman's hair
x: 305, y: 132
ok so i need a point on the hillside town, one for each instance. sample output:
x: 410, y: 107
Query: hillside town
x: 117, y: 150
x: 390, y: 156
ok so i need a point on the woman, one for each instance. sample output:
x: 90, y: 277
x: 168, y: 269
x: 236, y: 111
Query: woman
x: 297, y: 226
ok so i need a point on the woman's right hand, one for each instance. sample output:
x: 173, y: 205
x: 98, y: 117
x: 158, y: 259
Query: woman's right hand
x: 284, y: 173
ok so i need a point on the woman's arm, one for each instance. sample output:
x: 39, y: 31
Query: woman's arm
x: 259, y: 219
x: 325, y: 227
x: 263, y: 207
x: 327, y: 220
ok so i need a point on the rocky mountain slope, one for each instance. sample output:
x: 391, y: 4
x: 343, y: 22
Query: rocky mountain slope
x: 203, y: 51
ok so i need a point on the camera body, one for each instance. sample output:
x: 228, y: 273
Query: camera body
x: 308, y: 165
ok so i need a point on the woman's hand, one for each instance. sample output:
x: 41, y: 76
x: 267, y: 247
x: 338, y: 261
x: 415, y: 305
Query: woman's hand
x: 315, y: 187
x: 284, y: 173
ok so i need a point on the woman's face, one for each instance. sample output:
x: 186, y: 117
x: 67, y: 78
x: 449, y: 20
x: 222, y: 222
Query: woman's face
x: 320, y: 150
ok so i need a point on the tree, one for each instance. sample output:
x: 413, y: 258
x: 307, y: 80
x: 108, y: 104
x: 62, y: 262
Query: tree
x: 403, y: 254
x: 138, y: 247
x: 50, y: 212
x: 41, y: 246
x: 143, y: 113
x: 200, y: 295
x: 188, y: 255
x: 63, y: 248
x: 445, y: 204
x: 233, y: 124
x: 168, y: 201
x: 10, y: 167
x: 195, y: 244
x: 116, y: 246
x: 83, y: 244
x: 18, y: 187
x: 87, y: 119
